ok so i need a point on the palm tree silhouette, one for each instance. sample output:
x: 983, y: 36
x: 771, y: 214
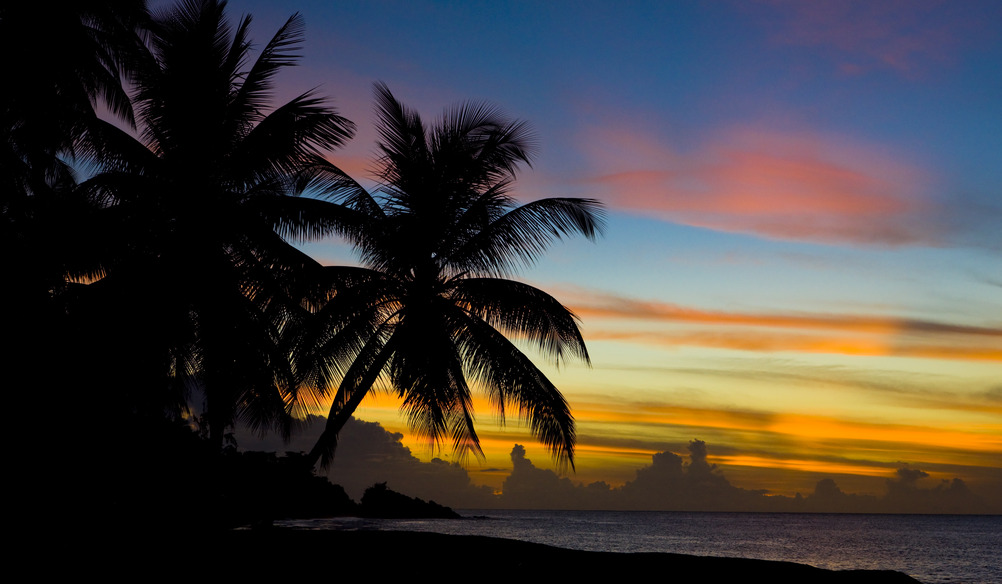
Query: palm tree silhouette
x: 82, y: 50
x: 59, y: 64
x: 199, y: 274
x: 431, y: 305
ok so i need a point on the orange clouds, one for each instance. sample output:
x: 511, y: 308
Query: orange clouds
x: 791, y: 438
x: 893, y: 437
x: 801, y: 428
x: 811, y: 333
x: 772, y: 184
x: 802, y: 465
x: 789, y: 441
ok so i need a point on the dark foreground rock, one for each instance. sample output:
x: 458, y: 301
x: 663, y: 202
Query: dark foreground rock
x: 381, y: 556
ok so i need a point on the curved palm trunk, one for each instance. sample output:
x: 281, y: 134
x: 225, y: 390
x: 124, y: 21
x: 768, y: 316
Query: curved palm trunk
x: 324, y: 448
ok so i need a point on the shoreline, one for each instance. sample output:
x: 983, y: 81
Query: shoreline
x: 281, y: 552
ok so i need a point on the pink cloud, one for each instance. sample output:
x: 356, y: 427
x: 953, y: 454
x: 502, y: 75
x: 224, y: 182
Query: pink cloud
x: 793, y: 185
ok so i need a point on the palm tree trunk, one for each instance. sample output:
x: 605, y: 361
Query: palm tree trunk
x: 337, y: 419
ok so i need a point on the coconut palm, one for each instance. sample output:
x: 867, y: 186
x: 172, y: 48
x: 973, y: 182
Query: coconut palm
x: 60, y: 65
x: 432, y: 310
x: 198, y: 270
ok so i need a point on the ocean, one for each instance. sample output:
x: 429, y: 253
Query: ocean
x: 931, y: 548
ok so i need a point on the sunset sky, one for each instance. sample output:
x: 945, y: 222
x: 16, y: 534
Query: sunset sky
x: 802, y: 264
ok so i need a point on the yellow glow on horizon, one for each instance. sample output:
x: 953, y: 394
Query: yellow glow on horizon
x: 802, y: 465
x: 825, y: 405
x: 804, y: 426
x: 671, y: 415
x: 798, y: 432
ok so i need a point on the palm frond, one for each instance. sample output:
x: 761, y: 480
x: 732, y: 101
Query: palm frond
x: 349, y: 305
x: 116, y: 150
x: 523, y: 233
x: 404, y: 144
x: 510, y: 377
x: 281, y: 51
x: 291, y: 137
x: 523, y: 311
x: 426, y: 371
x: 305, y: 218
x: 493, y: 145
x: 357, y: 383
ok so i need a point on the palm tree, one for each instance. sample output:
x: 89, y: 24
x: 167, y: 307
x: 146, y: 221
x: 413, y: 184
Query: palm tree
x: 431, y: 309
x: 60, y: 64
x: 199, y: 273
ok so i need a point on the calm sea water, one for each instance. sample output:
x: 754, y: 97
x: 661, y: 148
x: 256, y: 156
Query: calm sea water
x: 931, y: 548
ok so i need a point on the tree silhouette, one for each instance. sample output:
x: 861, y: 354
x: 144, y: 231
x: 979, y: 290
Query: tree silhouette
x: 59, y: 65
x: 431, y: 308
x: 198, y: 273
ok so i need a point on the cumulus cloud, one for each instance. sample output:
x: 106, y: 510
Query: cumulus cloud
x: 368, y: 454
x: 905, y: 495
x: 529, y: 487
x: 909, y: 476
x: 674, y: 483
x: 829, y: 498
x: 669, y: 483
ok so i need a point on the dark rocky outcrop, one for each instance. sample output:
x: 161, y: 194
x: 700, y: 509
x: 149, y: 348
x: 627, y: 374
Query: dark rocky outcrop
x: 380, y: 502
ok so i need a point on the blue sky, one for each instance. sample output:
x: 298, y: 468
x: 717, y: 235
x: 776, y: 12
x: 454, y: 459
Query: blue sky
x: 804, y: 217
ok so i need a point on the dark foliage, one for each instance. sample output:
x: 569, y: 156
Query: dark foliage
x: 168, y: 274
x: 163, y: 284
x: 198, y: 279
x: 170, y: 477
x: 380, y: 502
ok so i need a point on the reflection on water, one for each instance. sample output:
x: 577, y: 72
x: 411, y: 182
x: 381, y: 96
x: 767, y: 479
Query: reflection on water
x: 930, y: 548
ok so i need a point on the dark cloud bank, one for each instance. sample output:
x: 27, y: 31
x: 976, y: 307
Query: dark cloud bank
x: 368, y: 454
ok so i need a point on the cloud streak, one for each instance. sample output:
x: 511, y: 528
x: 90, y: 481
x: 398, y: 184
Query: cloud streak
x: 795, y: 429
x: 919, y: 390
x: 802, y: 332
x: 791, y: 186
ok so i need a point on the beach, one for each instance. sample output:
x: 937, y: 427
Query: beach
x: 384, y: 555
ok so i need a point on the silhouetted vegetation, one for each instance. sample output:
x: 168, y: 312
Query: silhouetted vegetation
x: 171, y: 477
x: 201, y: 210
x: 151, y: 196
x: 431, y: 306
x: 380, y: 502
x: 185, y: 484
